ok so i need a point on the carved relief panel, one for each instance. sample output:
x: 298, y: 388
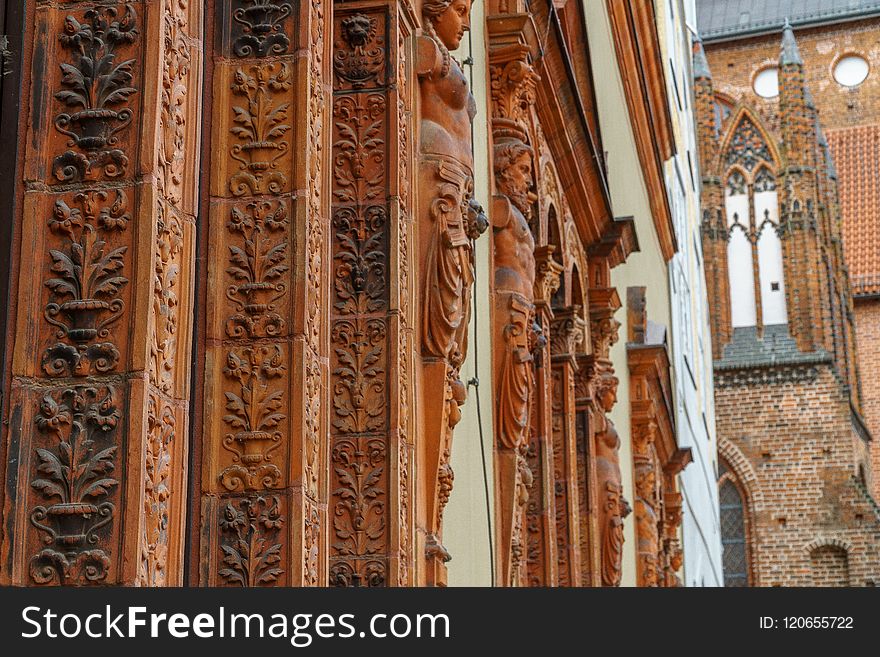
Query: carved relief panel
x: 265, y: 378
x: 106, y: 220
x: 370, y: 325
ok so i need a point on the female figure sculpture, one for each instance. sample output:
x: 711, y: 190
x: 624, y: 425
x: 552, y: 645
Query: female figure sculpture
x: 613, y: 506
x: 449, y: 218
x: 446, y: 188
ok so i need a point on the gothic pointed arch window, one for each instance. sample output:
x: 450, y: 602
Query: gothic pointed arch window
x: 754, y: 251
x: 770, y: 267
x: 734, y: 529
x: 739, y: 251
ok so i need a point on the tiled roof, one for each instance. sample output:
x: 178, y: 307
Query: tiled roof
x: 722, y: 19
x: 775, y: 347
x: 856, y: 154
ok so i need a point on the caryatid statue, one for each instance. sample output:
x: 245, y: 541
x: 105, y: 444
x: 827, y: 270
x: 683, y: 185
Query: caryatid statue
x: 514, y: 284
x: 446, y: 183
x: 647, y: 538
x: 515, y: 329
x: 449, y: 218
x: 613, y: 507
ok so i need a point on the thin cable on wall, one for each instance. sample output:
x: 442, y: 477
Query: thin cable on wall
x: 475, y: 380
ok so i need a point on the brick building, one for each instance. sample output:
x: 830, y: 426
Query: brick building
x: 794, y: 424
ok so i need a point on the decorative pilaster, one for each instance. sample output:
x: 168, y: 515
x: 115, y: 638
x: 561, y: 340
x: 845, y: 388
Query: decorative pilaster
x: 567, y: 340
x: 541, y: 549
x: 371, y: 332
x: 263, y: 467
x: 100, y: 382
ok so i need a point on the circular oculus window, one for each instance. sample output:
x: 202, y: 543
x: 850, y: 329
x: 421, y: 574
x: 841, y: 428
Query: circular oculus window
x: 766, y: 83
x: 851, y: 71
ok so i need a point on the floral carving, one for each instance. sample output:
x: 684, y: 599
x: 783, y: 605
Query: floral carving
x: 360, y: 255
x: 315, y: 235
x: 534, y: 522
x: 258, y: 269
x: 560, y: 480
x: 172, y: 118
x: 251, y: 542
x: 261, y: 127
x: 359, y: 511
x: 262, y: 26
x: 359, y: 150
x: 96, y: 90
x: 359, y: 55
x: 169, y: 248
x: 75, y: 474
x: 253, y: 417
x: 359, y: 389
x: 311, y: 545
x: 86, y: 286
x: 513, y: 87
x: 161, y: 426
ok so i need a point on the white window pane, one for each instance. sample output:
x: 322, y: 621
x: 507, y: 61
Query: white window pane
x: 851, y: 71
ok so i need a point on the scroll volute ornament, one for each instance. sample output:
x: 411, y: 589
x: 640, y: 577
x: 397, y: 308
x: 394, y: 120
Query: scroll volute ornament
x: 548, y: 275
x: 449, y: 218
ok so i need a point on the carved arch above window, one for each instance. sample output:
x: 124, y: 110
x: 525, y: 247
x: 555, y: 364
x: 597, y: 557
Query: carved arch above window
x: 747, y: 143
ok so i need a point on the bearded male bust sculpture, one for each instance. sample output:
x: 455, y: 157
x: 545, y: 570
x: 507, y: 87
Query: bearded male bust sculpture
x: 514, y: 282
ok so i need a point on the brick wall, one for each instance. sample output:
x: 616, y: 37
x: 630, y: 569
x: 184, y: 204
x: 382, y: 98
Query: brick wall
x: 868, y: 343
x: 797, y: 455
x: 830, y: 566
x: 734, y: 65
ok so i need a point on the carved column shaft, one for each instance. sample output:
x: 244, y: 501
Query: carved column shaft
x: 541, y: 550
x: 100, y: 363
x: 542, y: 557
x: 263, y: 467
x: 588, y: 525
x: 566, y: 341
x: 371, y: 335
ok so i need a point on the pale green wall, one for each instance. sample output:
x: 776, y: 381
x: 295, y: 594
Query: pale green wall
x: 465, y: 531
x: 628, y: 198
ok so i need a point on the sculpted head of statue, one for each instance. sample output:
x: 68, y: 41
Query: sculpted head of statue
x: 606, y: 390
x: 513, y: 169
x: 448, y: 19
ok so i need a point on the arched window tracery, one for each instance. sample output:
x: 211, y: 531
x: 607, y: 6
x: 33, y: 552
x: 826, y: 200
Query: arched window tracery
x: 754, y: 251
x: 734, y: 530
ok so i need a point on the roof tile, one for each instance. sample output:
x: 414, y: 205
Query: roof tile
x: 856, y: 154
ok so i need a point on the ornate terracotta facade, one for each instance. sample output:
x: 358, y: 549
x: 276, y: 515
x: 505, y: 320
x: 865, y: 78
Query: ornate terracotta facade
x: 252, y: 224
